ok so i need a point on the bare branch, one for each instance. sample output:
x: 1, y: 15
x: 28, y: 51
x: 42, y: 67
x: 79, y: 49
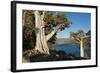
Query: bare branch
x: 85, y: 37
x: 53, y: 32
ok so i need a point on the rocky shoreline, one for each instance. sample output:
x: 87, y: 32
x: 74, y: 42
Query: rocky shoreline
x: 35, y: 56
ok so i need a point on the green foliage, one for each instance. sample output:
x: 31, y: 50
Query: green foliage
x: 88, y: 33
x: 29, y: 37
x: 77, y: 35
x: 87, y: 41
x: 80, y: 33
x: 52, y: 20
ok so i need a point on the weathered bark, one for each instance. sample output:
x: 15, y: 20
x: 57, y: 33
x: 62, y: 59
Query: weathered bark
x: 41, y: 38
x: 79, y: 37
x: 41, y: 43
x: 81, y: 48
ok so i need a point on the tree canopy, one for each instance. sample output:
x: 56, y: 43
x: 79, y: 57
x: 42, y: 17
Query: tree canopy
x: 81, y: 34
x: 53, y: 21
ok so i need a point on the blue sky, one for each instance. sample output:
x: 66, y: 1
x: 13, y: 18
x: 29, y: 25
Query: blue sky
x: 79, y: 21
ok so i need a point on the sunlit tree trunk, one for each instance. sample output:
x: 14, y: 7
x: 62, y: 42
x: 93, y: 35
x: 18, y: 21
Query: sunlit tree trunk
x: 41, y: 43
x: 81, y: 48
x: 41, y: 38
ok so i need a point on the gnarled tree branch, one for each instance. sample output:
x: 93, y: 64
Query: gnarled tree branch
x: 53, y: 32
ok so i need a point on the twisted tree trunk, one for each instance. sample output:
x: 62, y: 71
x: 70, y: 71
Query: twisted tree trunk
x: 41, y: 38
x: 41, y: 43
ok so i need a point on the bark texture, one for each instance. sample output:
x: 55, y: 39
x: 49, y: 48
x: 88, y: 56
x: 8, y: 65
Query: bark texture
x: 41, y: 43
x: 81, y: 48
x: 41, y: 38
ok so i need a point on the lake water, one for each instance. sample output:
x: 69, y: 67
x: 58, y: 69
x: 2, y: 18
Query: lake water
x: 71, y: 49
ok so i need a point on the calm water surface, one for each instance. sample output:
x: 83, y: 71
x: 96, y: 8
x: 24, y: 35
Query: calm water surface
x: 71, y: 49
